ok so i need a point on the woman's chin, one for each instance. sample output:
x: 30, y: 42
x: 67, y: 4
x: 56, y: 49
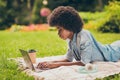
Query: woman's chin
x: 63, y: 38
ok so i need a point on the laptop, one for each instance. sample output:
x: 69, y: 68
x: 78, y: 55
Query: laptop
x: 28, y: 61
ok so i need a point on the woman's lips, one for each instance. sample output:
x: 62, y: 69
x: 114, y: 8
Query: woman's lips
x: 60, y: 36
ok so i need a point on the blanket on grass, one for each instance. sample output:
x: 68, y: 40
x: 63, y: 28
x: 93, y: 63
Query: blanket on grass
x: 104, y: 69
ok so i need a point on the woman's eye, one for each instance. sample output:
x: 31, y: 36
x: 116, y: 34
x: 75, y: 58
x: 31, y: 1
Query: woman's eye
x: 60, y: 30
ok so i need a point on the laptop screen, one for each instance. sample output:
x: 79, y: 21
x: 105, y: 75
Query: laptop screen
x: 27, y: 59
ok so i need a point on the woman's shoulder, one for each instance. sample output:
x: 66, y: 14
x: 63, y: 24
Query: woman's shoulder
x: 84, y: 34
x: 84, y: 31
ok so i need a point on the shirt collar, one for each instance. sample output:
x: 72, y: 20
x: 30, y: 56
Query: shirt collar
x: 74, y: 38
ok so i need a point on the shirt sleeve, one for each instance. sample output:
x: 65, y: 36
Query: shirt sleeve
x: 86, y: 52
x: 69, y: 55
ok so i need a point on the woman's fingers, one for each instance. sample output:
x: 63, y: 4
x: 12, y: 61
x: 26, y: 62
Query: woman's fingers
x: 45, y: 65
x: 39, y: 65
x: 42, y: 65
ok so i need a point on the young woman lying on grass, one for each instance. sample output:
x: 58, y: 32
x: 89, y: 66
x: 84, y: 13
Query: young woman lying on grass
x: 82, y: 45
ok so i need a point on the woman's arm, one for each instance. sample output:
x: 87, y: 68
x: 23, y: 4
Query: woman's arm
x: 70, y: 63
x: 57, y: 64
x: 62, y: 60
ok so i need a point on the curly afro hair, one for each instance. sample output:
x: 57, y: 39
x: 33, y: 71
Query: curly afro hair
x: 66, y: 17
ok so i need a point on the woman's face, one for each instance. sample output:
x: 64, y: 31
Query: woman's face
x: 64, y: 34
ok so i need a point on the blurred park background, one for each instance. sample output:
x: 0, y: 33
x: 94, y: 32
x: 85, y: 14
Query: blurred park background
x: 23, y: 25
x: 26, y: 15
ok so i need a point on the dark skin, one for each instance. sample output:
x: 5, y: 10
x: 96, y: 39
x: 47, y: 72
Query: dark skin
x: 64, y: 34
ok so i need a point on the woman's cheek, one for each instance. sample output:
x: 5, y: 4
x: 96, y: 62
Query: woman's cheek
x: 64, y: 37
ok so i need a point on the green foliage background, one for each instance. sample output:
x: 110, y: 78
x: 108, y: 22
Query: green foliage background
x: 112, y: 23
x: 28, y: 11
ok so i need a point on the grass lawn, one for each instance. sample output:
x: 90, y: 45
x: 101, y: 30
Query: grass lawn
x: 47, y: 43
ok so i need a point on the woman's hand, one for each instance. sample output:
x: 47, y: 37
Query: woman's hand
x: 45, y: 65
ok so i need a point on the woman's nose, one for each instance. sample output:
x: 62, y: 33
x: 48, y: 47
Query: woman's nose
x: 58, y: 33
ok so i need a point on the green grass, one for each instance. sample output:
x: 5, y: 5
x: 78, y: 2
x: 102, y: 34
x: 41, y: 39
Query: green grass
x: 105, y: 38
x: 47, y: 43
